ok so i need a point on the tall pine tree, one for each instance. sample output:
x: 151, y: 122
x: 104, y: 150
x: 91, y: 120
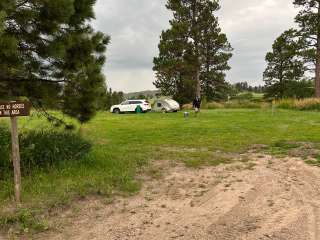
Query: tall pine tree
x: 284, y: 64
x: 193, y: 53
x: 308, y: 20
x: 48, y: 50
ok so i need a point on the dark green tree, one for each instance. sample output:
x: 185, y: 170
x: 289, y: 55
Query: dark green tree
x: 308, y: 20
x: 246, y: 87
x: 49, y: 45
x: 193, y: 53
x: 215, y: 52
x: 107, y: 98
x: 284, y: 64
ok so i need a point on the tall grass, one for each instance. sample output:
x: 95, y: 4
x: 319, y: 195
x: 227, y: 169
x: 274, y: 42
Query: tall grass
x: 308, y: 104
x: 42, y: 149
x: 233, y: 104
x: 4, y: 148
x: 47, y: 148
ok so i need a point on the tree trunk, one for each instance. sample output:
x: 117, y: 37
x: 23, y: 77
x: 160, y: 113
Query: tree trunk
x: 197, y: 52
x: 198, y: 90
x: 317, y: 80
x: 16, y: 159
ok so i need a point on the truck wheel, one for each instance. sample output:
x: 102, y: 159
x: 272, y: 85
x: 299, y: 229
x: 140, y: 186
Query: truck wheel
x: 116, y: 111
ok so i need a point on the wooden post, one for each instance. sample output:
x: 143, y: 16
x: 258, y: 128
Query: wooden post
x: 16, y: 158
x: 14, y: 109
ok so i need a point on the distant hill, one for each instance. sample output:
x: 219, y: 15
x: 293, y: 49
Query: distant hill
x: 147, y: 94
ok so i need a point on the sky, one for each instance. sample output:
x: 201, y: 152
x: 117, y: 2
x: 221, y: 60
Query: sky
x: 135, y: 27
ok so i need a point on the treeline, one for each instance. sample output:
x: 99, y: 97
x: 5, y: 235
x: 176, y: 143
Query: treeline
x: 246, y: 87
x: 107, y: 98
x: 293, y: 69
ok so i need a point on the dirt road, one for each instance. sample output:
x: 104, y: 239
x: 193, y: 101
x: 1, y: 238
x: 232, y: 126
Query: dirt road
x: 278, y: 199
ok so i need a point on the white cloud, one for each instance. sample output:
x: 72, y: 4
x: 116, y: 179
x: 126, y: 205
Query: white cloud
x: 252, y: 26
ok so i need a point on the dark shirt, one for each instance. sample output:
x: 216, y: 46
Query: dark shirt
x: 197, y: 103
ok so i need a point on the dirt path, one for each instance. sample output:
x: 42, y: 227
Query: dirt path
x: 278, y: 199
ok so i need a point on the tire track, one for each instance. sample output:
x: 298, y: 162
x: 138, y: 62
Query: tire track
x: 278, y: 202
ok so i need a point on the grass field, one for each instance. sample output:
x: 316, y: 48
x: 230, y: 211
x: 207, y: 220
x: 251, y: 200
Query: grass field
x: 124, y: 144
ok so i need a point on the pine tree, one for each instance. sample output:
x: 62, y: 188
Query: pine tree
x: 193, y: 53
x: 284, y: 64
x: 46, y: 45
x: 308, y: 20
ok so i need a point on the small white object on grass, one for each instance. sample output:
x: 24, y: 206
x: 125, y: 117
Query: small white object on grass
x: 186, y: 114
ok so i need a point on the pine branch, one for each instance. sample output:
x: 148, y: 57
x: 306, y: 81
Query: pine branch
x: 22, y: 3
x: 20, y: 79
x: 57, y: 122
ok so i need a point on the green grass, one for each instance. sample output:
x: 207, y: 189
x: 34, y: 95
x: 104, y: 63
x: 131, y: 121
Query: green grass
x: 24, y: 221
x: 315, y: 162
x: 124, y: 144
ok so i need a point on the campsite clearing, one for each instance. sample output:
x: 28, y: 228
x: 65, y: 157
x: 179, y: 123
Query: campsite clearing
x: 248, y: 156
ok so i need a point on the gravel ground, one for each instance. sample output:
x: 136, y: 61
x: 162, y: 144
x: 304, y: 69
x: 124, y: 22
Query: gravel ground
x: 276, y: 199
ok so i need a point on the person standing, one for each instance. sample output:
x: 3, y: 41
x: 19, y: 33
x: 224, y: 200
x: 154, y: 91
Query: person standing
x: 197, y: 105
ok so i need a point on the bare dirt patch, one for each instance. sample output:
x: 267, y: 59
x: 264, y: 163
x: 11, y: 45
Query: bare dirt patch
x: 273, y: 199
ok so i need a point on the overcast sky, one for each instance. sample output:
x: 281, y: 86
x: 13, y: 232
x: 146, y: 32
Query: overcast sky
x: 135, y: 26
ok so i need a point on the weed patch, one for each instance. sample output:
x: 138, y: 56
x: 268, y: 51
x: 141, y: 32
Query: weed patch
x: 314, y: 162
x: 24, y: 221
x: 282, y: 147
x: 308, y: 104
x: 44, y: 149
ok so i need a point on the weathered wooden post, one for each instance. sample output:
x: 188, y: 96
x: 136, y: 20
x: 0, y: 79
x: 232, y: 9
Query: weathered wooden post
x: 13, y: 110
x: 16, y: 158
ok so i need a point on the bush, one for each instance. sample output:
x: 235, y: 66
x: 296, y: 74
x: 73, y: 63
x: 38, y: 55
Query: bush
x: 242, y: 104
x: 43, y: 149
x: 231, y: 104
x: 285, y: 104
x: 4, y: 149
x: 308, y: 104
x: 245, y: 96
x: 291, y: 89
x: 24, y: 220
x: 213, y: 105
x: 187, y: 107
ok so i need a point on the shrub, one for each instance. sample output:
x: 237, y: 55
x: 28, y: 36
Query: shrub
x: 4, y: 149
x: 25, y: 220
x: 231, y: 104
x: 245, y: 96
x: 242, y: 104
x: 308, y: 104
x: 285, y: 103
x: 291, y: 89
x: 187, y: 107
x: 213, y: 105
x: 42, y: 149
